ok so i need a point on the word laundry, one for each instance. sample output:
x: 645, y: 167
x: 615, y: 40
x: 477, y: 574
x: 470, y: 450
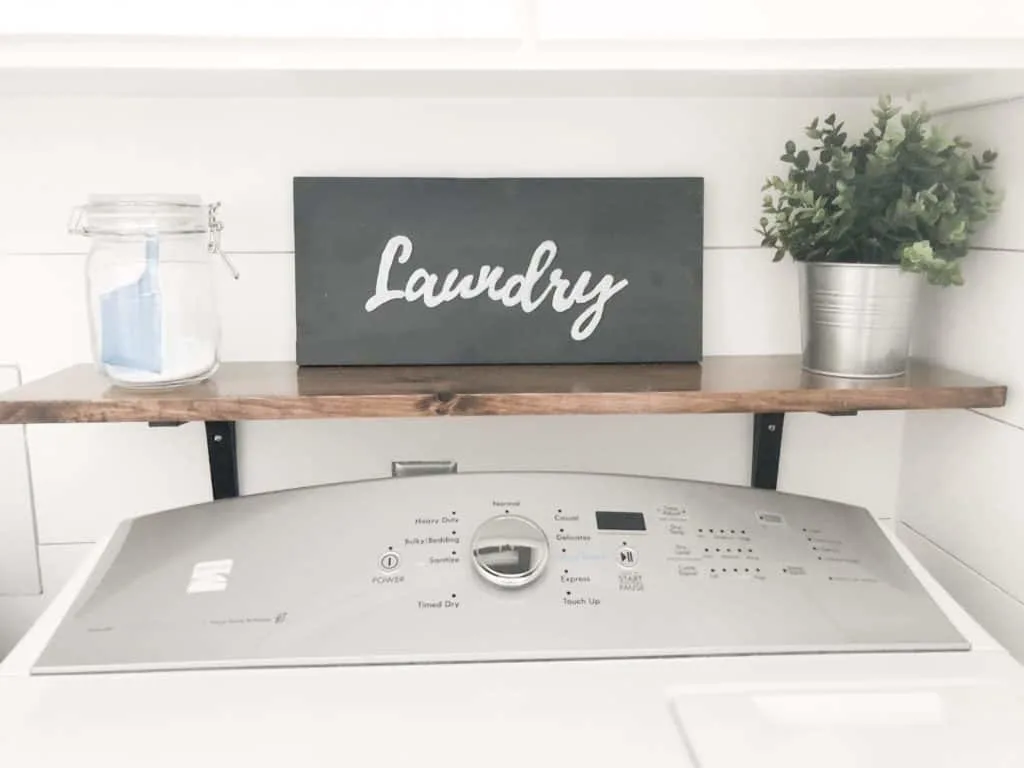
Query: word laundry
x: 517, y: 290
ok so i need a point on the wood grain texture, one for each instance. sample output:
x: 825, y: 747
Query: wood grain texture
x: 272, y: 390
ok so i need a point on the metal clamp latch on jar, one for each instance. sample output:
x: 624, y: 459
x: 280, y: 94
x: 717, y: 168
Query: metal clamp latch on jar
x: 215, y: 226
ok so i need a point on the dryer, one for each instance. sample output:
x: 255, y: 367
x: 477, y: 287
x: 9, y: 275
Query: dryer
x: 505, y: 618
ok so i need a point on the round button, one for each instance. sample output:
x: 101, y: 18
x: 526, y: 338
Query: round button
x: 509, y: 550
x: 389, y: 561
x: 627, y: 557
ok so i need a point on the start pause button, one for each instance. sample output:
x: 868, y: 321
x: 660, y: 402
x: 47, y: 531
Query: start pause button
x: 627, y: 557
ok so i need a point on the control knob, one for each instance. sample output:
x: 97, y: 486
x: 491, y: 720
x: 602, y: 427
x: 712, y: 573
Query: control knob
x: 509, y: 550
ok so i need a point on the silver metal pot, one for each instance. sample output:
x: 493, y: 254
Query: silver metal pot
x: 856, y: 318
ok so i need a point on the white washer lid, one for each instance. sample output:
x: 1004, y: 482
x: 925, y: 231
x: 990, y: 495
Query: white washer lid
x: 870, y: 725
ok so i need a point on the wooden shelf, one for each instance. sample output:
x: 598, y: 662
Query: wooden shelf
x: 271, y: 390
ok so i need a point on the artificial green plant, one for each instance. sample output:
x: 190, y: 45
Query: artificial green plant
x: 904, y: 193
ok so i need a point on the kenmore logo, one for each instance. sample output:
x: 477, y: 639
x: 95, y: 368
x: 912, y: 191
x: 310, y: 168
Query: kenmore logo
x: 210, y: 576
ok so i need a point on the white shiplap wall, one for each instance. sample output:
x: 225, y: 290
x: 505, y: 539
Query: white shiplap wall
x: 54, y: 152
x: 960, y: 493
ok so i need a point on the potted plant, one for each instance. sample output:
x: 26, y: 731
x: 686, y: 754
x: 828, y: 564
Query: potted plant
x: 867, y: 222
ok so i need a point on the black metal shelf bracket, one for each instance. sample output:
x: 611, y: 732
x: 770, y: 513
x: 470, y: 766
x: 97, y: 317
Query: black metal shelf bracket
x: 222, y: 448
x: 764, y: 465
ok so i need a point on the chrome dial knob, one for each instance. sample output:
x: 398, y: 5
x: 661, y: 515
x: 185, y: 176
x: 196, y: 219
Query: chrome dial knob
x: 509, y: 550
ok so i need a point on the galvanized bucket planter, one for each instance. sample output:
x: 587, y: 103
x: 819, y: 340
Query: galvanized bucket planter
x: 856, y: 318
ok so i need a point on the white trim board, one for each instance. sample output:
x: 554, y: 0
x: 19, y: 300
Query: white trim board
x: 975, y: 92
x: 996, y: 610
x: 19, y: 558
x: 17, y: 614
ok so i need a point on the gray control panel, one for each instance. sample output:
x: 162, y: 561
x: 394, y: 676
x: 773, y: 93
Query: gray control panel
x: 498, y: 566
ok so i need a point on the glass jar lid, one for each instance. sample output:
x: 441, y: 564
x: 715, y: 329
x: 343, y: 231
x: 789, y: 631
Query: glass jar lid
x: 143, y: 215
x: 150, y: 216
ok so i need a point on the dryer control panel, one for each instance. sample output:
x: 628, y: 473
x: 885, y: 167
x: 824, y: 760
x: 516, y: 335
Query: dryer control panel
x: 499, y: 566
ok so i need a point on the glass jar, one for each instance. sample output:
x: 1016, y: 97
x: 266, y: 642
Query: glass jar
x: 152, y: 302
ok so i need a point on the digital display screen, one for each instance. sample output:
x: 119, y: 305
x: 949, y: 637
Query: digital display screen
x: 620, y: 521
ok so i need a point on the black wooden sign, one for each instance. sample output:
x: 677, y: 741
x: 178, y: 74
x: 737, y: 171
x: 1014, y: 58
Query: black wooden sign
x: 518, y: 270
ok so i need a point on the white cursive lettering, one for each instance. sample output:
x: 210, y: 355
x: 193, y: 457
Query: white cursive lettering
x: 518, y: 290
x: 401, y: 245
x: 591, y: 316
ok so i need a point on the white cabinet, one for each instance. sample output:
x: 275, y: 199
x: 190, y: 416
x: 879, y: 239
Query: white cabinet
x: 361, y: 20
x: 789, y: 20
x: 497, y: 48
x: 543, y: 20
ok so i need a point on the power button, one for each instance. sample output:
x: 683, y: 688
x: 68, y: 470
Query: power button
x: 389, y: 561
